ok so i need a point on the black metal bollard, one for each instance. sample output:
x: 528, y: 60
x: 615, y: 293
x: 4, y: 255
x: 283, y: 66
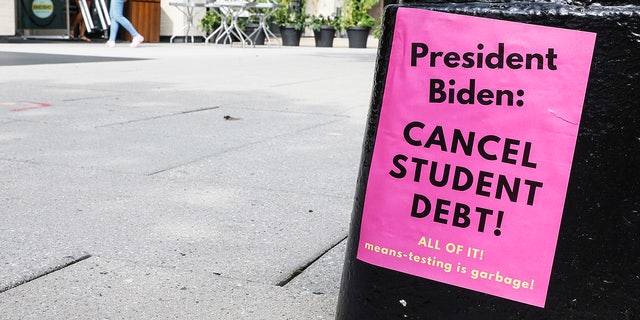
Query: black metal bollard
x: 596, y: 265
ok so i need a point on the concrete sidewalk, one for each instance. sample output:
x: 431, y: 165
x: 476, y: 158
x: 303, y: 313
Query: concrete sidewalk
x: 177, y: 181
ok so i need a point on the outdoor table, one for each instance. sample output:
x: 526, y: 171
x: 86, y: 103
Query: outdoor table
x: 189, y: 8
x: 229, y: 12
x: 263, y: 11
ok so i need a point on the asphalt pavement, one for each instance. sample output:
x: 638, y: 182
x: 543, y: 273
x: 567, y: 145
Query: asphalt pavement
x: 177, y: 181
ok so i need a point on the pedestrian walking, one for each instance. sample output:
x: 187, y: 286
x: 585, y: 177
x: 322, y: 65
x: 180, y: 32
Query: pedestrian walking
x: 78, y: 23
x: 117, y: 18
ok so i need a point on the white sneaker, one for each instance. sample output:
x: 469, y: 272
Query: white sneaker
x: 136, y: 41
x: 111, y: 44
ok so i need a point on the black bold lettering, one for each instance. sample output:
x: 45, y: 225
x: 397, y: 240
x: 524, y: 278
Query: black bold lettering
x: 461, y: 216
x: 437, y: 138
x: 459, y: 140
x: 468, y: 60
x: 402, y: 171
x: 508, y: 150
x: 420, y: 201
x: 440, y: 211
x: 482, y: 147
x: 407, y: 133
x: 485, y: 97
x: 482, y: 176
x: 436, y: 91
x: 418, y: 50
x: 532, y: 190
x: 499, y: 56
x: 452, y: 91
x: 525, y: 156
x: 503, y: 185
x: 483, y: 217
x: 451, y: 59
x: 480, y: 55
x: 514, y: 61
x: 445, y: 175
x: 457, y: 176
x: 419, y: 163
x: 434, y: 57
x: 535, y: 56
x: 500, y: 94
x: 469, y: 92
x: 551, y: 55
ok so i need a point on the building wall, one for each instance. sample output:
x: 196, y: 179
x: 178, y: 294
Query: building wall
x: 7, y: 18
x: 324, y: 7
x: 172, y: 20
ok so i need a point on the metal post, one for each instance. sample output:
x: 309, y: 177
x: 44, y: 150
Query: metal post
x: 596, y: 266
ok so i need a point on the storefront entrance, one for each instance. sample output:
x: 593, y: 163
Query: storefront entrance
x: 51, y: 18
x: 43, y: 18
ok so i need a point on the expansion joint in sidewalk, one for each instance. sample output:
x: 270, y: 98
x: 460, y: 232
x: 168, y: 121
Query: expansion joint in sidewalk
x: 72, y: 261
x: 158, y: 117
x: 300, y: 270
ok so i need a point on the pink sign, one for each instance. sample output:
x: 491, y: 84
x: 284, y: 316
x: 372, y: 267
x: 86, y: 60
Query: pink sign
x: 473, y: 151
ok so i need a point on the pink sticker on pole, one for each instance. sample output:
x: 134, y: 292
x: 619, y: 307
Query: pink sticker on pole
x: 473, y: 151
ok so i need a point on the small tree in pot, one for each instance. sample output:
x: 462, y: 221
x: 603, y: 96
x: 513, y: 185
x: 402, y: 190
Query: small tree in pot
x: 210, y: 22
x: 292, y: 21
x: 252, y: 29
x: 324, y: 29
x: 358, y: 21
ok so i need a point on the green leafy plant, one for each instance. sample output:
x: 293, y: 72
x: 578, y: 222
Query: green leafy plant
x: 377, y: 31
x: 210, y: 22
x: 290, y: 15
x: 356, y: 13
x: 320, y: 21
x: 253, y: 19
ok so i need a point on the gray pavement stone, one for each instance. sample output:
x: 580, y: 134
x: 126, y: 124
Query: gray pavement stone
x: 302, y: 163
x: 99, y: 288
x: 315, y: 279
x: 152, y: 144
x: 185, y: 214
x: 242, y: 232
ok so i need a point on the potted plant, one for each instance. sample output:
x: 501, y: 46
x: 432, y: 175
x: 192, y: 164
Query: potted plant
x: 252, y: 29
x: 292, y: 20
x: 210, y: 22
x: 324, y: 29
x: 358, y: 21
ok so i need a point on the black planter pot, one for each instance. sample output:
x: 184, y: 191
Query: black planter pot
x: 258, y: 37
x: 358, y: 36
x: 324, y: 36
x: 290, y: 36
x: 275, y: 28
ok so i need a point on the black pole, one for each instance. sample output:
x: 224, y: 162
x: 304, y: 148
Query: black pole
x: 596, y: 270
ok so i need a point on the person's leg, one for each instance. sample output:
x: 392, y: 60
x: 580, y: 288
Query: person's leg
x: 76, y: 21
x: 115, y: 10
x: 117, y: 15
x: 83, y: 27
x: 118, y: 19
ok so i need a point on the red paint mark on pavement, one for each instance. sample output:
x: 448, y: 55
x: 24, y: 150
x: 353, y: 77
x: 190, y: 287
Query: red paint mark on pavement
x: 25, y: 105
